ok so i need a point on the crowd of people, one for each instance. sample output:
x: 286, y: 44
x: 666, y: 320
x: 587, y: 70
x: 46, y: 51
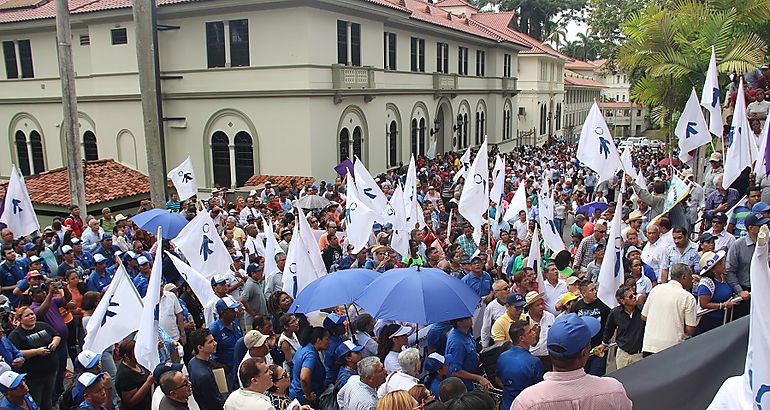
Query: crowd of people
x: 246, y: 351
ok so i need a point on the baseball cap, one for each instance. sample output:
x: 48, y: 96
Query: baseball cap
x: 11, y: 380
x: 165, y: 367
x: 66, y: 249
x: 631, y: 249
x: 388, y: 225
x: 570, y: 333
x: 87, y: 379
x: 757, y: 208
x: 254, y: 338
x: 716, y: 157
x: 75, y: 241
x: 756, y: 220
x: 286, y: 232
x: 237, y: 257
x: 218, y: 279
x: 35, y: 258
x: 88, y: 359
x: 98, y: 258
x: 477, y: 257
x: 435, y: 362
x: 334, y: 320
x: 169, y: 287
x: 29, y: 246
x: 254, y: 268
x: 515, y: 299
x: 566, y: 298
x: 376, y: 227
x: 706, y: 236
x: 226, y: 303
x: 402, y: 331
x: 142, y: 260
x: 34, y: 273
x: 720, y: 217
x: 572, y: 280
x: 106, y: 236
x: 345, y: 348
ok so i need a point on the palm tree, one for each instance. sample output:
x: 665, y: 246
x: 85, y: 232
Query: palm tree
x: 557, y: 35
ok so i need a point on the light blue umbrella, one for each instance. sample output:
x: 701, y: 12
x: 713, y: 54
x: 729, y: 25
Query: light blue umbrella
x: 171, y: 222
x: 418, y: 295
x: 335, y: 289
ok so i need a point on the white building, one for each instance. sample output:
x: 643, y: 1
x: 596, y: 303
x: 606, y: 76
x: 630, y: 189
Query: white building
x: 279, y: 87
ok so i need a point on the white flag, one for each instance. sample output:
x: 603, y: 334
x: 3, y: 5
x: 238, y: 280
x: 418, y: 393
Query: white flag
x: 551, y: 236
x: 146, y: 349
x: 449, y: 224
x: 115, y: 316
x: 359, y: 218
x: 474, y: 200
x: 202, y: 246
x: 676, y: 193
x: 18, y: 213
x: 691, y: 130
x: 498, y: 177
x: 518, y: 203
x: 628, y: 165
x: 742, y: 148
x: 640, y: 180
x: 414, y: 214
x: 184, y: 180
x: 710, y: 97
x: 199, y: 284
x: 596, y: 148
x: 431, y: 153
x: 369, y: 193
x: 533, y: 260
x: 465, y: 164
x: 401, y: 231
x: 311, y: 244
x: 271, y: 249
x: 300, y: 270
x: 763, y: 160
x: 611, y: 271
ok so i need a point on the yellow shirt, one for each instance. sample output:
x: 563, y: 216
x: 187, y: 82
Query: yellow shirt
x: 501, y: 326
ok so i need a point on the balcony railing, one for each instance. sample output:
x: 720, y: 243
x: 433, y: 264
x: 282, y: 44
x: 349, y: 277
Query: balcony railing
x: 509, y: 83
x: 352, y: 78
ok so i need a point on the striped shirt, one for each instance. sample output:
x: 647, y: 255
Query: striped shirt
x: 573, y: 390
x: 356, y: 395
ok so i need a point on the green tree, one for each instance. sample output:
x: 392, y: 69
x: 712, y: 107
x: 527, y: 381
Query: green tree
x: 536, y: 18
x: 605, y: 17
x: 667, y: 50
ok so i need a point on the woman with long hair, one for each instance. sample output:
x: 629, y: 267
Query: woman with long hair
x: 362, y: 328
x: 133, y: 382
x: 277, y: 305
x: 288, y: 342
x: 77, y: 288
x: 37, y: 341
x: 392, y: 339
x: 279, y: 393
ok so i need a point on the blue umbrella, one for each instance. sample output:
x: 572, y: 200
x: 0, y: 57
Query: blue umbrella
x: 418, y: 295
x: 589, y: 209
x: 171, y: 222
x: 335, y: 289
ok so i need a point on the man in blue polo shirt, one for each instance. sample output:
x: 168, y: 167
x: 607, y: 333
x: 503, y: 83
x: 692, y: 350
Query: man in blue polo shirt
x: 463, y: 360
x: 106, y: 249
x: 517, y: 368
x: 10, y: 274
x: 226, y: 331
x: 101, y: 276
x: 481, y: 283
x: 142, y: 279
x: 15, y: 392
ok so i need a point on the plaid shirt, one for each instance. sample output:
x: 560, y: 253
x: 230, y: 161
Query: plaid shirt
x: 467, y: 245
x: 585, y: 251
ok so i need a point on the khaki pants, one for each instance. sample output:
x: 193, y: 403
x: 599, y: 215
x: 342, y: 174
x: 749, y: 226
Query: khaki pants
x: 623, y: 359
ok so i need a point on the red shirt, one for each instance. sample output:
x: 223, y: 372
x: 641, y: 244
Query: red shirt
x: 75, y: 224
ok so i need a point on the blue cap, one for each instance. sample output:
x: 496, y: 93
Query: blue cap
x: 226, y: 303
x: 377, y: 226
x: 10, y: 380
x: 435, y: 362
x: 254, y: 268
x: 515, y: 299
x: 237, y: 257
x: 760, y: 207
x: 706, y: 236
x: 165, y: 367
x: 756, y: 220
x: 106, y: 236
x: 218, y: 279
x: 87, y: 379
x: 88, y: 359
x: 596, y: 246
x: 346, y: 347
x: 29, y: 246
x: 334, y: 320
x: 388, y: 225
x: 571, y: 333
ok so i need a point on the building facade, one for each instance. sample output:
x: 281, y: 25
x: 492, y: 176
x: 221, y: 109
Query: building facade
x: 262, y: 87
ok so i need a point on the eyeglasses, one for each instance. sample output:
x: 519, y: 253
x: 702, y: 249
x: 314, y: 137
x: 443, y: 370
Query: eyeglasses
x: 186, y: 383
x: 285, y: 375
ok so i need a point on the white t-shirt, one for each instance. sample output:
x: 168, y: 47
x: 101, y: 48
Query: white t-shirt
x: 541, y: 348
x: 168, y: 308
x: 391, y: 362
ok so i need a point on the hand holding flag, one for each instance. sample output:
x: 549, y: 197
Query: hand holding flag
x: 183, y: 177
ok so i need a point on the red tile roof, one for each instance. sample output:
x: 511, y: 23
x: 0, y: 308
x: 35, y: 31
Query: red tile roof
x: 581, y: 82
x: 431, y: 14
x: 614, y: 104
x: 394, y: 4
x: 48, y: 10
x: 580, y: 65
x: 106, y: 180
x: 499, y: 24
x: 258, y: 180
x: 456, y: 3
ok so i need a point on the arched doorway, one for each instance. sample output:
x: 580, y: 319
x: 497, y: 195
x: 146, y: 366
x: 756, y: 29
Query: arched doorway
x: 444, y: 136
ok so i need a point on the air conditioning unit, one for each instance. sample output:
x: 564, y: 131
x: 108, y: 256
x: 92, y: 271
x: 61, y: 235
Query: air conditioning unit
x: 522, y: 111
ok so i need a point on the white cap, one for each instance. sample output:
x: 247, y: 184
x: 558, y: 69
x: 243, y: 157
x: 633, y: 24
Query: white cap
x: 142, y: 260
x: 88, y: 359
x: 402, y: 331
x: 436, y: 356
x: 11, y: 380
x: 66, y: 249
x: 98, y: 258
x: 87, y: 379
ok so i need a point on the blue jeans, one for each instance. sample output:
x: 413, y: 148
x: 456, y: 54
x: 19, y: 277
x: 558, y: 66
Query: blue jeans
x: 596, y: 365
x: 559, y: 225
x: 58, y: 387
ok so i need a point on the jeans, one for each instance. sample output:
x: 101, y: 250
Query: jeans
x: 61, y: 353
x: 596, y: 365
x: 559, y: 225
x: 41, y: 389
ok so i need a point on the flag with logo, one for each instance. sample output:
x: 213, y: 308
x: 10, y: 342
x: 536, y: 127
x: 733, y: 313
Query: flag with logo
x: 18, y: 213
x: 474, y: 200
x: 359, y: 218
x: 551, y: 236
x: 199, y: 284
x: 533, y: 260
x: 300, y: 268
x: 115, y: 315
x: 202, y: 246
x: 414, y: 216
x: 518, y: 203
x: 465, y: 164
x: 369, y: 193
x: 184, y: 180
x: 596, y: 148
x: 710, y: 98
x: 271, y: 248
x: 691, y: 130
x: 611, y: 271
x: 741, y: 148
x: 401, y: 232
x: 762, y: 164
x: 146, y: 349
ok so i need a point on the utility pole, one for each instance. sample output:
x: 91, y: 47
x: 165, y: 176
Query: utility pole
x: 77, y: 183
x: 147, y: 62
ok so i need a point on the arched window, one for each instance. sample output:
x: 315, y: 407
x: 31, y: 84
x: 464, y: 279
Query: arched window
x: 244, y: 158
x: 357, y: 143
x: 36, y: 150
x: 422, y: 136
x: 481, y: 127
x: 393, y: 144
x: 543, y: 114
x: 220, y: 158
x: 22, y: 152
x: 344, y: 144
x: 465, y: 130
x: 413, y: 140
x: 558, y: 116
x: 89, y: 146
x: 478, y: 128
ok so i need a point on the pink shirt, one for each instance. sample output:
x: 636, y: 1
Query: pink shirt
x: 573, y: 390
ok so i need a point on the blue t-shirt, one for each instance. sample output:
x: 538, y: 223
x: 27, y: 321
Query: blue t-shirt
x: 722, y: 293
x: 31, y: 405
x: 343, y: 376
x: 97, y: 282
x: 306, y: 358
x: 330, y: 359
x: 226, y: 339
x: 461, y: 348
x: 141, y: 283
x: 517, y: 369
x: 481, y: 285
x: 437, y: 336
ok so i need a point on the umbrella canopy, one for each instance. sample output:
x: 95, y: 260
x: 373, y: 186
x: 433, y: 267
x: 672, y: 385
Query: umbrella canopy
x: 667, y: 161
x: 589, y: 209
x: 418, y: 295
x: 335, y: 289
x: 312, y: 202
x: 171, y: 222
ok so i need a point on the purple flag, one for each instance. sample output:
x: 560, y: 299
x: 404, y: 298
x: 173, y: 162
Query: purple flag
x: 344, y: 167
